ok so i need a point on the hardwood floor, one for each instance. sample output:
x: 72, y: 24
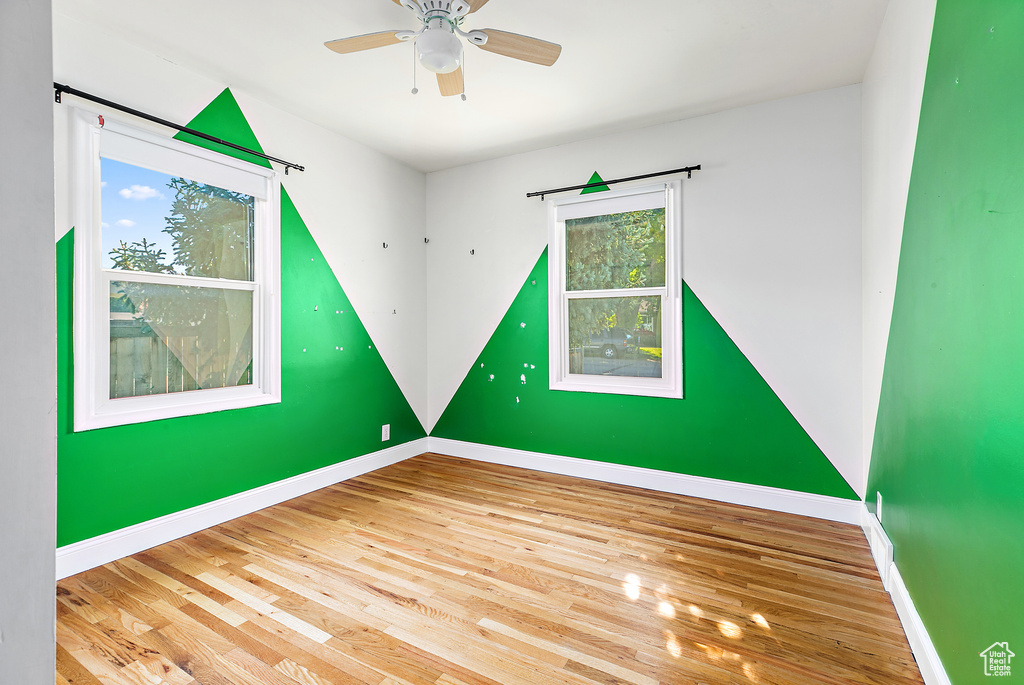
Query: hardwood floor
x: 445, y: 571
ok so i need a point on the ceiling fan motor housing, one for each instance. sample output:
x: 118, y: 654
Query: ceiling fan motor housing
x: 454, y: 8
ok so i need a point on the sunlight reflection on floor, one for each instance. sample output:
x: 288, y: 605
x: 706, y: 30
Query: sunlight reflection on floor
x: 672, y: 644
x: 631, y: 586
x: 730, y: 630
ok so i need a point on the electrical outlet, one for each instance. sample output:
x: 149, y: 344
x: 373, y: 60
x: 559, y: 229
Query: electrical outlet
x: 878, y: 506
x: 385, y: 432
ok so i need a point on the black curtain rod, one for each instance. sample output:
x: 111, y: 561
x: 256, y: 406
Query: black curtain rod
x: 60, y: 88
x: 687, y: 169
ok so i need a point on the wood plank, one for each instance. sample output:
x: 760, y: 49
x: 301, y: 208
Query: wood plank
x: 182, y: 594
x: 109, y: 585
x: 253, y: 602
x: 71, y: 671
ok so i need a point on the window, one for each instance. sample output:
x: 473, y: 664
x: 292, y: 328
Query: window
x: 614, y: 283
x: 177, y: 255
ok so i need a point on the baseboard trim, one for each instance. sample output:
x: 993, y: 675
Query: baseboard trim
x: 881, y: 545
x: 921, y: 644
x: 103, y: 549
x: 81, y: 556
x: 762, y: 497
x: 932, y: 670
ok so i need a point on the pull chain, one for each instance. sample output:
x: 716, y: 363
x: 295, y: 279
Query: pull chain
x: 414, y: 88
x: 463, y: 76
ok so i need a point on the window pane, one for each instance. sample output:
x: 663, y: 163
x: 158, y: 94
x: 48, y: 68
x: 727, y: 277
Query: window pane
x: 615, y: 336
x: 616, y: 251
x: 159, y: 223
x: 170, y: 338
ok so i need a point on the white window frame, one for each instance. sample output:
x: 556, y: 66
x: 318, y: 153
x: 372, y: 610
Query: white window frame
x: 92, y: 137
x: 670, y: 385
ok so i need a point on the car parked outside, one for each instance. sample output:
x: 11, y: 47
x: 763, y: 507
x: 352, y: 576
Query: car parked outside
x: 610, y: 343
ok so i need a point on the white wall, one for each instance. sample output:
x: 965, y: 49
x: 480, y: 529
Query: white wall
x: 892, y: 91
x: 772, y: 225
x: 771, y: 246
x: 28, y: 354
x: 351, y: 198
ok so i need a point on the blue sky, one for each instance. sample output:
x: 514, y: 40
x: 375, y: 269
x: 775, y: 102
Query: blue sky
x: 133, y: 205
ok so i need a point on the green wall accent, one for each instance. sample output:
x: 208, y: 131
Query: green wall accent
x: 223, y: 119
x: 731, y: 425
x: 948, y: 454
x: 595, y: 178
x: 334, y: 401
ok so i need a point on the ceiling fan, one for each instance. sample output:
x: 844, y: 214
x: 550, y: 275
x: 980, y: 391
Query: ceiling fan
x: 438, y: 44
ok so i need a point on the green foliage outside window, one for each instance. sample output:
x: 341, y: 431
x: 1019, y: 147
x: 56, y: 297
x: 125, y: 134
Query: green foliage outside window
x: 617, y: 251
x: 211, y: 232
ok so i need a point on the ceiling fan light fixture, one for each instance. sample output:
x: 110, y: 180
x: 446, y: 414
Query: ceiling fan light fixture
x: 438, y: 47
x: 439, y: 50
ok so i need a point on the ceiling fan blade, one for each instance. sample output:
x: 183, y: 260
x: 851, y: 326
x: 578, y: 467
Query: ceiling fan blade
x: 364, y: 42
x: 521, y: 47
x: 451, y: 84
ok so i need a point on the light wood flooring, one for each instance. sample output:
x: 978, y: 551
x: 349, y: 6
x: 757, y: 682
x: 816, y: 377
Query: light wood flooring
x: 445, y: 571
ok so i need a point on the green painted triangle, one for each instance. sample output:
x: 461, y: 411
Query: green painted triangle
x: 223, y: 119
x: 337, y: 392
x: 731, y: 426
x: 596, y: 178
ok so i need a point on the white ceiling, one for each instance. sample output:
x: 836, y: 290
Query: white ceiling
x: 624, y: 64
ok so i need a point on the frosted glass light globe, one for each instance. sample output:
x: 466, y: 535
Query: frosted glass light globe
x: 439, y: 50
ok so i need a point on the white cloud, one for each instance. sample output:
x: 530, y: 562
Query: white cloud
x: 125, y: 223
x: 104, y: 224
x: 103, y: 184
x: 137, y: 192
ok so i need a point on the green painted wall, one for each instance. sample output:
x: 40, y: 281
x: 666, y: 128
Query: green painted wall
x: 731, y: 425
x: 334, y: 401
x: 948, y: 452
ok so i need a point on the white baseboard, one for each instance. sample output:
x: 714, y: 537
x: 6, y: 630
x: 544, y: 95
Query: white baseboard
x: 762, y: 497
x: 103, y: 549
x: 920, y: 643
x: 881, y: 546
x: 81, y: 556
